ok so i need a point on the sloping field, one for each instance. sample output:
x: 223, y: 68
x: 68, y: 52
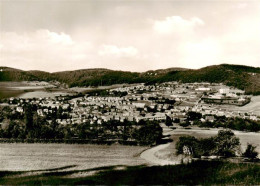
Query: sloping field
x: 253, y: 106
x: 22, y: 156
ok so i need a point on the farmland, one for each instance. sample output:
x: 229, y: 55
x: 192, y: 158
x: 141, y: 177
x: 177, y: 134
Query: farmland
x: 59, y: 164
x: 252, y: 107
x: 24, y: 157
x: 25, y: 89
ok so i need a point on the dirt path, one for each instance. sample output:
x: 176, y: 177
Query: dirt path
x: 157, y: 155
x: 150, y: 156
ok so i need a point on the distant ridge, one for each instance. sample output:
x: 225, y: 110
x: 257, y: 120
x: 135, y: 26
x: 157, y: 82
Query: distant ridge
x: 243, y: 77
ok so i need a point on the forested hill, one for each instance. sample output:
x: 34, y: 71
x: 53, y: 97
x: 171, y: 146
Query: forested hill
x: 243, y: 77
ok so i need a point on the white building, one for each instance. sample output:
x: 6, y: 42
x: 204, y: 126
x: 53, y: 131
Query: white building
x: 203, y: 89
x: 224, y: 90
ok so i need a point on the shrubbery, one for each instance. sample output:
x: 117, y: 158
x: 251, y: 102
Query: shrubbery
x: 250, y: 152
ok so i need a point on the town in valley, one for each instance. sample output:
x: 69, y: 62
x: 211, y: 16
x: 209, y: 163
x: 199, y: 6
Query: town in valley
x: 177, y: 104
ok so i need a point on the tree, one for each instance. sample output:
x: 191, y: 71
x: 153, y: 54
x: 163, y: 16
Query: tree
x: 37, y: 123
x: 250, y: 152
x: 67, y: 133
x: 54, y: 128
x: 192, y: 116
x: 59, y: 113
x: 227, y: 144
x: 176, y: 120
x: 10, y: 130
x: 148, y: 134
x: 28, y: 117
x: 206, y: 146
x: 168, y: 121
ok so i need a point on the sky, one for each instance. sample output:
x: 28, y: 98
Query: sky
x: 129, y: 35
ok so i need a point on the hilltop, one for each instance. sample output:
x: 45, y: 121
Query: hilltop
x: 242, y: 77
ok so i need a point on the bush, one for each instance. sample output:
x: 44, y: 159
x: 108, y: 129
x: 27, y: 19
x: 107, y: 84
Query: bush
x: 250, y: 152
x: 186, y: 124
x: 187, y: 145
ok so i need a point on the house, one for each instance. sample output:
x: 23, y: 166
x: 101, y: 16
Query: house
x: 40, y: 112
x: 138, y: 104
x: 19, y: 109
x: 224, y: 90
x: 210, y: 118
x: 203, y: 89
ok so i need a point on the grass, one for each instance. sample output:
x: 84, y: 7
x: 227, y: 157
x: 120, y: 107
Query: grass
x: 199, y: 172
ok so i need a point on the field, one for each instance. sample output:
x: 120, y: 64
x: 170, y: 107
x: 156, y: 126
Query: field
x: 30, y: 89
x: 24, y: 157
x: 253, y: 106
x: 70, y: 164
x: 6, y: 91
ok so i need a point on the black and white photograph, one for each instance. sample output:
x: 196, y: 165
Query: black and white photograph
x: 129, y: 92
